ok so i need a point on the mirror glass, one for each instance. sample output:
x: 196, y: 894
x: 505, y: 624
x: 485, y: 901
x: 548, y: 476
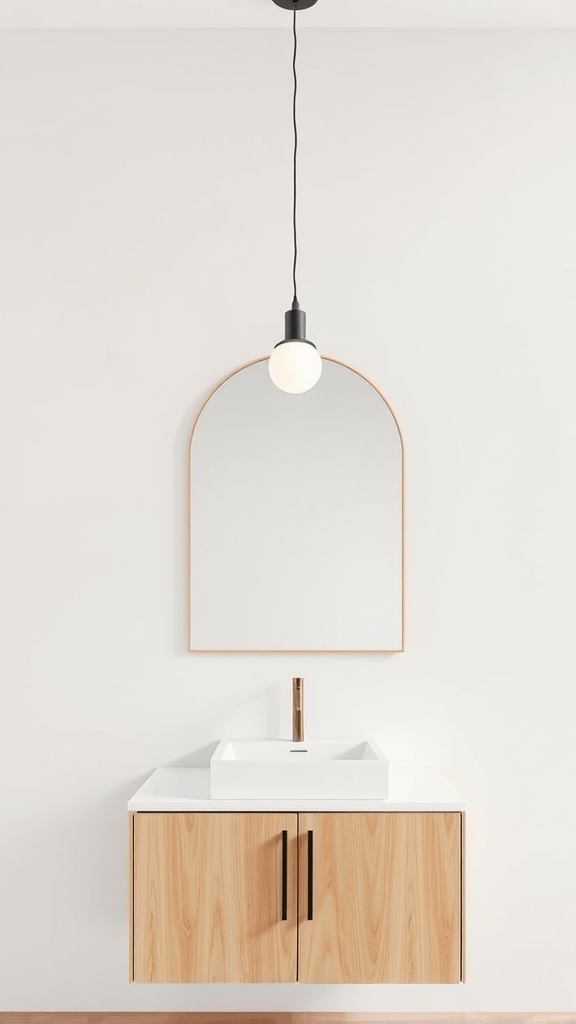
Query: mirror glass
x: 296, y: 517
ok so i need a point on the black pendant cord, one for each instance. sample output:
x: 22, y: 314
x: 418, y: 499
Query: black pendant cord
x: 295, y: 318
x: 295, y: 300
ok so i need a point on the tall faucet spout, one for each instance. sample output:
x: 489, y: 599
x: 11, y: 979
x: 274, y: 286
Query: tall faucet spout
x: 297, y: 709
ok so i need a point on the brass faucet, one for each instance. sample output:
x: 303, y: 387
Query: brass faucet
x: 297, y: 709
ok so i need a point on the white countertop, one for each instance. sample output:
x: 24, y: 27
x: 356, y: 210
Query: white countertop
x: 188, y: 789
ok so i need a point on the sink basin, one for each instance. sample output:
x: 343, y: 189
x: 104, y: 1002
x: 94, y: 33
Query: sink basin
x: 281, y: 769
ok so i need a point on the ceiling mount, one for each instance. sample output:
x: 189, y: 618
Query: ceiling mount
x: 295, y: 5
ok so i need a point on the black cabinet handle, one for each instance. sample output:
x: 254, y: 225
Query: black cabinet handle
x: 284, y: 875
x: 310, y: 874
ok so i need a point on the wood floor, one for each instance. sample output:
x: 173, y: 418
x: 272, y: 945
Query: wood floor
x: 288, y: 1018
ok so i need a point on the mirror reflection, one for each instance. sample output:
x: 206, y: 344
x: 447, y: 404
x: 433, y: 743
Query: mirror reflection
x: 296, y: 517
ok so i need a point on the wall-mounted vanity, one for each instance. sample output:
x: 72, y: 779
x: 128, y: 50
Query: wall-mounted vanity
x: 296, y: 517
x: 319, y: 892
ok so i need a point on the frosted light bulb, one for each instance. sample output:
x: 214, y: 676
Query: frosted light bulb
x: 295, y: 366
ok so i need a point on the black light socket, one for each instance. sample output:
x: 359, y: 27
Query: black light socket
x: 295, y: 324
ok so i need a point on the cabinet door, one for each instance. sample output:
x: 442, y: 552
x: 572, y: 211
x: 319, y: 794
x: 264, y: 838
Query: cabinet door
x: 380, y: 898
x: 215, y: 897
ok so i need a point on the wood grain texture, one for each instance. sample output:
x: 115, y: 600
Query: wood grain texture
x: 207, y: 898
x: 288, y: 1018
x: 387, y: 898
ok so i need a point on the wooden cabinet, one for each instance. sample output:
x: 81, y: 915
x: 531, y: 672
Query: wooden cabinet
x: 318, y: 898
x: 380, y: 898
x: 215, y: 897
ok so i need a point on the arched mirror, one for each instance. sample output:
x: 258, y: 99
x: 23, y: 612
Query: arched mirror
x: 296, y: 517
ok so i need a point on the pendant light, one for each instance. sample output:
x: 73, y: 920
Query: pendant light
x: 295, y: 365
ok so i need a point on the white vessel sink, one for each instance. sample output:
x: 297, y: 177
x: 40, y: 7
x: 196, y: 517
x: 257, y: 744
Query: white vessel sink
x: 268, y: 769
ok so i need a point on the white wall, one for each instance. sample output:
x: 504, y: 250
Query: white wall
x: 145, y: 195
